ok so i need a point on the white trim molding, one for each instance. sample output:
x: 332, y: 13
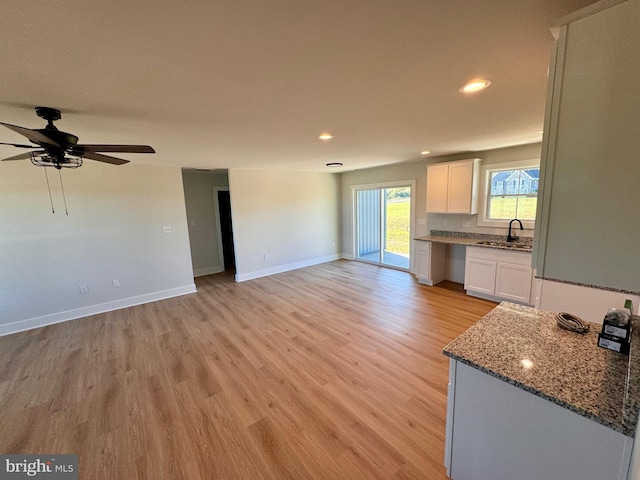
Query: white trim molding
x: 483, y: 193
x: 201, y: 272
x: 53, y: 318
x: 286, y: 268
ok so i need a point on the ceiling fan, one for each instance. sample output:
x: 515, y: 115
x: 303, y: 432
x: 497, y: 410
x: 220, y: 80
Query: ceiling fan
x: 60, y: 149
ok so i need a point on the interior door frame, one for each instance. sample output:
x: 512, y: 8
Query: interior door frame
x: 354, y: 215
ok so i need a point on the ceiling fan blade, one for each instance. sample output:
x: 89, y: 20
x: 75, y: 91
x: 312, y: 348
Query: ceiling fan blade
x: 33, y: 135
x: 104, y: 158
x: 17, y: 145
x: 115, y: 148
x: 22, y: 156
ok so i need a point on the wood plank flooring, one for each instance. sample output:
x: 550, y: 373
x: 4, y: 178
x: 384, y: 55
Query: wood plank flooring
x: 329, y: 372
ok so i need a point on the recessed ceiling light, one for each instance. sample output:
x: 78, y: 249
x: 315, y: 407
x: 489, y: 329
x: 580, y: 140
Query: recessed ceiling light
x: 334, y: 164
x: 475, y: 85
x: 325, y: 136
x: 425, y: 152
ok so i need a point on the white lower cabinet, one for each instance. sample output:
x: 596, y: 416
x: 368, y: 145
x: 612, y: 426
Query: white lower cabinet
x: 500, y: 432
x: 498, y: 274
x: 479, y: 275
x: 431, y: 259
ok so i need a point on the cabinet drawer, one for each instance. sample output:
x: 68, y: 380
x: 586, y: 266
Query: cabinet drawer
x: 497, y: 255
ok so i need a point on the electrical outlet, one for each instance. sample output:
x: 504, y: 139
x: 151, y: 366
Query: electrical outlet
x: 166, y: 229
x: 445, y: 223
x: 116, y: 283
x: 466, y: 223
x: 266, y: 256
x: 84, y: 288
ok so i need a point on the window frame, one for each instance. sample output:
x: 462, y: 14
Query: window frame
x: 485, y: 185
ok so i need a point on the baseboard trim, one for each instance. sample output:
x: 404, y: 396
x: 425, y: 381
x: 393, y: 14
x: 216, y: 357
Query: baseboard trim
x: 201, y: 272
x: 242, y: 277
x: 53, y: 318
x: 347, y: 256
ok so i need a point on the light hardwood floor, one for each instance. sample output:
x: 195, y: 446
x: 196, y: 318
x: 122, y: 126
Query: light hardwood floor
x: 333, y: 371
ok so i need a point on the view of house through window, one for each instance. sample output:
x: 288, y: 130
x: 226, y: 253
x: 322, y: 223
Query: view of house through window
x: 513, y: 194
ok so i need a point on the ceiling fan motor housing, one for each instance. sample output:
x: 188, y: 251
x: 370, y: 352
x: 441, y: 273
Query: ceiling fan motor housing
x: 48, y: 113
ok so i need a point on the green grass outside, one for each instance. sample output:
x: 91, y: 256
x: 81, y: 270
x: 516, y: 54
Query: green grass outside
x: 505, y: 208
x: 398, y: 221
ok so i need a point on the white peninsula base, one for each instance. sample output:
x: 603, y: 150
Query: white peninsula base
x: 500, y: 432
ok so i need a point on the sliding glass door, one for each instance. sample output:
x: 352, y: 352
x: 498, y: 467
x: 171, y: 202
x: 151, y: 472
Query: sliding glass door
x: 383, y: 220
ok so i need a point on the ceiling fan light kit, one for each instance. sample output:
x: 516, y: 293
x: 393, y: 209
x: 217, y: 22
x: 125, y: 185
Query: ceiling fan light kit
x: 42, y: 159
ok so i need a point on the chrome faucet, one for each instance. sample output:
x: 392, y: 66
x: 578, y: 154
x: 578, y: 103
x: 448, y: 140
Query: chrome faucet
x: 510, y: 237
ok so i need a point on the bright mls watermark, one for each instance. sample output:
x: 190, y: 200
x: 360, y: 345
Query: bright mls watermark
x: 49, y: 467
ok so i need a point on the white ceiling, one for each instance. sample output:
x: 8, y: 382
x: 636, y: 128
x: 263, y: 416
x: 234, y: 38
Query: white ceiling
x: 233, y: 83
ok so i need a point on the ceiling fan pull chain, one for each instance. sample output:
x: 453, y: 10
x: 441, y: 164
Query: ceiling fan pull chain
x: 49, y: 188
x: 64, y: 198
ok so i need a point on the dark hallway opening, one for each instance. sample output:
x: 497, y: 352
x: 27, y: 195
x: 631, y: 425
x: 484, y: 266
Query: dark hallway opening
x: 226, y: 230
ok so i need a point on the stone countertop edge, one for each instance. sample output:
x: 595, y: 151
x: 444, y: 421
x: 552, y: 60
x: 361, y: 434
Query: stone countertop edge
x: 471, y: 240
x: 588, y: 285
x: 569, y: 369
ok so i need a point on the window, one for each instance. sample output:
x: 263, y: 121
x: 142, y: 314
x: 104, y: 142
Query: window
x: 509, y: 190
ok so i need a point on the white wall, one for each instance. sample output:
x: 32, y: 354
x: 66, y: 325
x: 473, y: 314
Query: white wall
x: 201, y: 217
x: 291, y: 217
x: 114, y: 230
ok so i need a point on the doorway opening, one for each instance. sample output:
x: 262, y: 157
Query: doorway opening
x: 383, y: 224
x: 224, y: 226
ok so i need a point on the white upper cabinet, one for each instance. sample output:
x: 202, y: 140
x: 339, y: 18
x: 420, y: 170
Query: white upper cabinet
x: 437, y: 187
x: 452, y: 187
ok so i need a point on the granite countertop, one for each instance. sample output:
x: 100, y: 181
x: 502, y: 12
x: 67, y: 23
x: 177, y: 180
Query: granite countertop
x: 524, y: 244
x: 567, y: 368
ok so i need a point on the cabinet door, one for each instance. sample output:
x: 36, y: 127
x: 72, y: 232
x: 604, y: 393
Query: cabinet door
x: 480, y: 275
x: 460, y: 187
x: 513, y: 282
x: 437, y: 185
x: 423, y: 255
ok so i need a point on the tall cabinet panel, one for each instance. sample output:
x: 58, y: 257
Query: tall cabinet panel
x: 588, y: 224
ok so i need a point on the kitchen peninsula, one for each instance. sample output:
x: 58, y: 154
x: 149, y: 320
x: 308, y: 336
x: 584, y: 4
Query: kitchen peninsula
x: 522, y: 389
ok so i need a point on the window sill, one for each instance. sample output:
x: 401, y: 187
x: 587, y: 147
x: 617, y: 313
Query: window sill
x: 527, y: 224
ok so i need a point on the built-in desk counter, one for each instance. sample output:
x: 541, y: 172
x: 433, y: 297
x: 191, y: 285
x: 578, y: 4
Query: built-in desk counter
x: 493, y: 268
